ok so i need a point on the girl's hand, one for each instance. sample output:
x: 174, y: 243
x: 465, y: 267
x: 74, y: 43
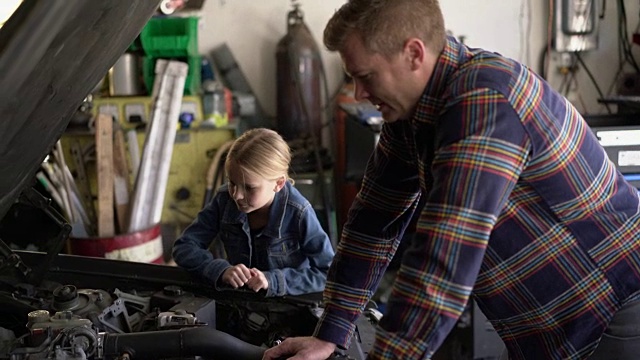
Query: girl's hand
x: 237, y: 275
x: 257, y: 281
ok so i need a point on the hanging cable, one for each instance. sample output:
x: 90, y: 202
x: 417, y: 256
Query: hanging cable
x: 549, y: 38
x: 580, y: 99
x: 542, y: 63
x: 528, y: 32
x: 625, y: 55
x: 525, y: 25
x: 215, y: 173
x: 569, y: 77
x: 593, y: 80
x: 623, y: 36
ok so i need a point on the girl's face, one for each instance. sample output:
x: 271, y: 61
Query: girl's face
x: 251, y: 192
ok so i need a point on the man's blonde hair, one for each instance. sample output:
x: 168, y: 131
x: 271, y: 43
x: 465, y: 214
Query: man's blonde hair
x: 261, y: 152
x: 385, y: 25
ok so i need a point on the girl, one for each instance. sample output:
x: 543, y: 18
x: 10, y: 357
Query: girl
x: 270, y: 232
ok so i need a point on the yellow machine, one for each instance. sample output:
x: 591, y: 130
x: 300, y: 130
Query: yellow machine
x: 194, y: 148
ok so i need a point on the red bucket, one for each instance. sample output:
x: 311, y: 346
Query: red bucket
x: 142, y: 246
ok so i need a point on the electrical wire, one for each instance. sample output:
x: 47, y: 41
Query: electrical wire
x: 523, y: 43
x: 525, y: 30
x: 623, y: 36
x: 542, y: 63
x: 549, y: 38
x: 214, y: 176
x: 580, y: 98
x: 593, y: 80
x: 568, y: 79
x: 623, y: 56
x: 616, y: 77
x: 545, y: 56
x: 564, y: 85
x: 527, y: 53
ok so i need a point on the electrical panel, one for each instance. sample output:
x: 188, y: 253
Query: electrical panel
x: 575, y: 25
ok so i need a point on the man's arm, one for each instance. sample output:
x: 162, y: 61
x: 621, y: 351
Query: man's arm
x: 377, y: 219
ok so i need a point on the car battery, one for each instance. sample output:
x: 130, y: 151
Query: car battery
x: 622, y: 144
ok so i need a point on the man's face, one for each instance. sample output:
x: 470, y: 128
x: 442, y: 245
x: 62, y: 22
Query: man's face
x: 389, y: 83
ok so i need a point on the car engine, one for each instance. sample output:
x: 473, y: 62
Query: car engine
x: 74, y: 324
x: 63, y: 322
x: 67, y: 307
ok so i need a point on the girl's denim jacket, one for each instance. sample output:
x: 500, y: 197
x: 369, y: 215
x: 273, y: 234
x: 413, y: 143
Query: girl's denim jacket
x: 292, y: 250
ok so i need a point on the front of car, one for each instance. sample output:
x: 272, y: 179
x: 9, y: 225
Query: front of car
x: 58, y: 306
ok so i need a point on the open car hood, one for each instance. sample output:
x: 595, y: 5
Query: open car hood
x: 52, y: 54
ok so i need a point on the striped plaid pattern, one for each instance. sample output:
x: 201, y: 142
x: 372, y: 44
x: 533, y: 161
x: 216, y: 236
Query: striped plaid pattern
x: 524, y: 211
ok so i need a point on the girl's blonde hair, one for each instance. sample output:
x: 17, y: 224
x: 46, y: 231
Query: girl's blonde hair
x: 385, y: 25
x: 262, y: 152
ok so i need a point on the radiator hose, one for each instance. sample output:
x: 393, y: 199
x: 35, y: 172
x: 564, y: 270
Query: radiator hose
x: 203, y: 341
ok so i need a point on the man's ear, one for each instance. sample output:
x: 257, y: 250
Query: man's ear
x: 280, y: 183
x: 415, y: 52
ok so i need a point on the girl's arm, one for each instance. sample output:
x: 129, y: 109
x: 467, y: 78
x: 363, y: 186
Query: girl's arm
x: 191, y: 250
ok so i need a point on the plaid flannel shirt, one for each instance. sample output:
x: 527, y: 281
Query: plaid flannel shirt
x: 524, y: 211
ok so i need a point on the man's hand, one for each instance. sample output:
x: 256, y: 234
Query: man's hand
x: 236, y: 276
x: 303, y: 348
x: 257, y: 281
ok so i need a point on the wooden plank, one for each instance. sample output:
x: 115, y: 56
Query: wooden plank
x: 104, y: 167
x: 122, y: 186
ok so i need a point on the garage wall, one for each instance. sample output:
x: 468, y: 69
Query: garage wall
x: 517, y: 29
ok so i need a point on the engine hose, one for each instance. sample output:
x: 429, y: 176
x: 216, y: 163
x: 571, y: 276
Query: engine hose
x: 212, y: 173
x: 203, y: 341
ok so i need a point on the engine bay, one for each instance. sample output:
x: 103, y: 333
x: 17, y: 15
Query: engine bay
x: 67, y: 307
x: 64, y: 322
x: 61, y: 321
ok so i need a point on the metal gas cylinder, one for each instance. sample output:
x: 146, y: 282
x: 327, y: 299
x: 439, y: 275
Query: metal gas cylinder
x: 299, y: 66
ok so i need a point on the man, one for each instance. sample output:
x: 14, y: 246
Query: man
x: 523, y: 209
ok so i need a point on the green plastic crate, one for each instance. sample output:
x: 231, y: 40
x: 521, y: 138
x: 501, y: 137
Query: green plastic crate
x: 191, y: 85
x: 170, y: 37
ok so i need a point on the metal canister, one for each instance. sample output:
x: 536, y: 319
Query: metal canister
x: 124, y: 76
x: 299, y: 100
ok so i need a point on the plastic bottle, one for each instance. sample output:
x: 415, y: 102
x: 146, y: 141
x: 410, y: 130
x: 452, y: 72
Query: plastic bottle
x: 213, y: 98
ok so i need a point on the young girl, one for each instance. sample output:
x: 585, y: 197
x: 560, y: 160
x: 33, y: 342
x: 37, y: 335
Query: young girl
x: 270, y: 232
